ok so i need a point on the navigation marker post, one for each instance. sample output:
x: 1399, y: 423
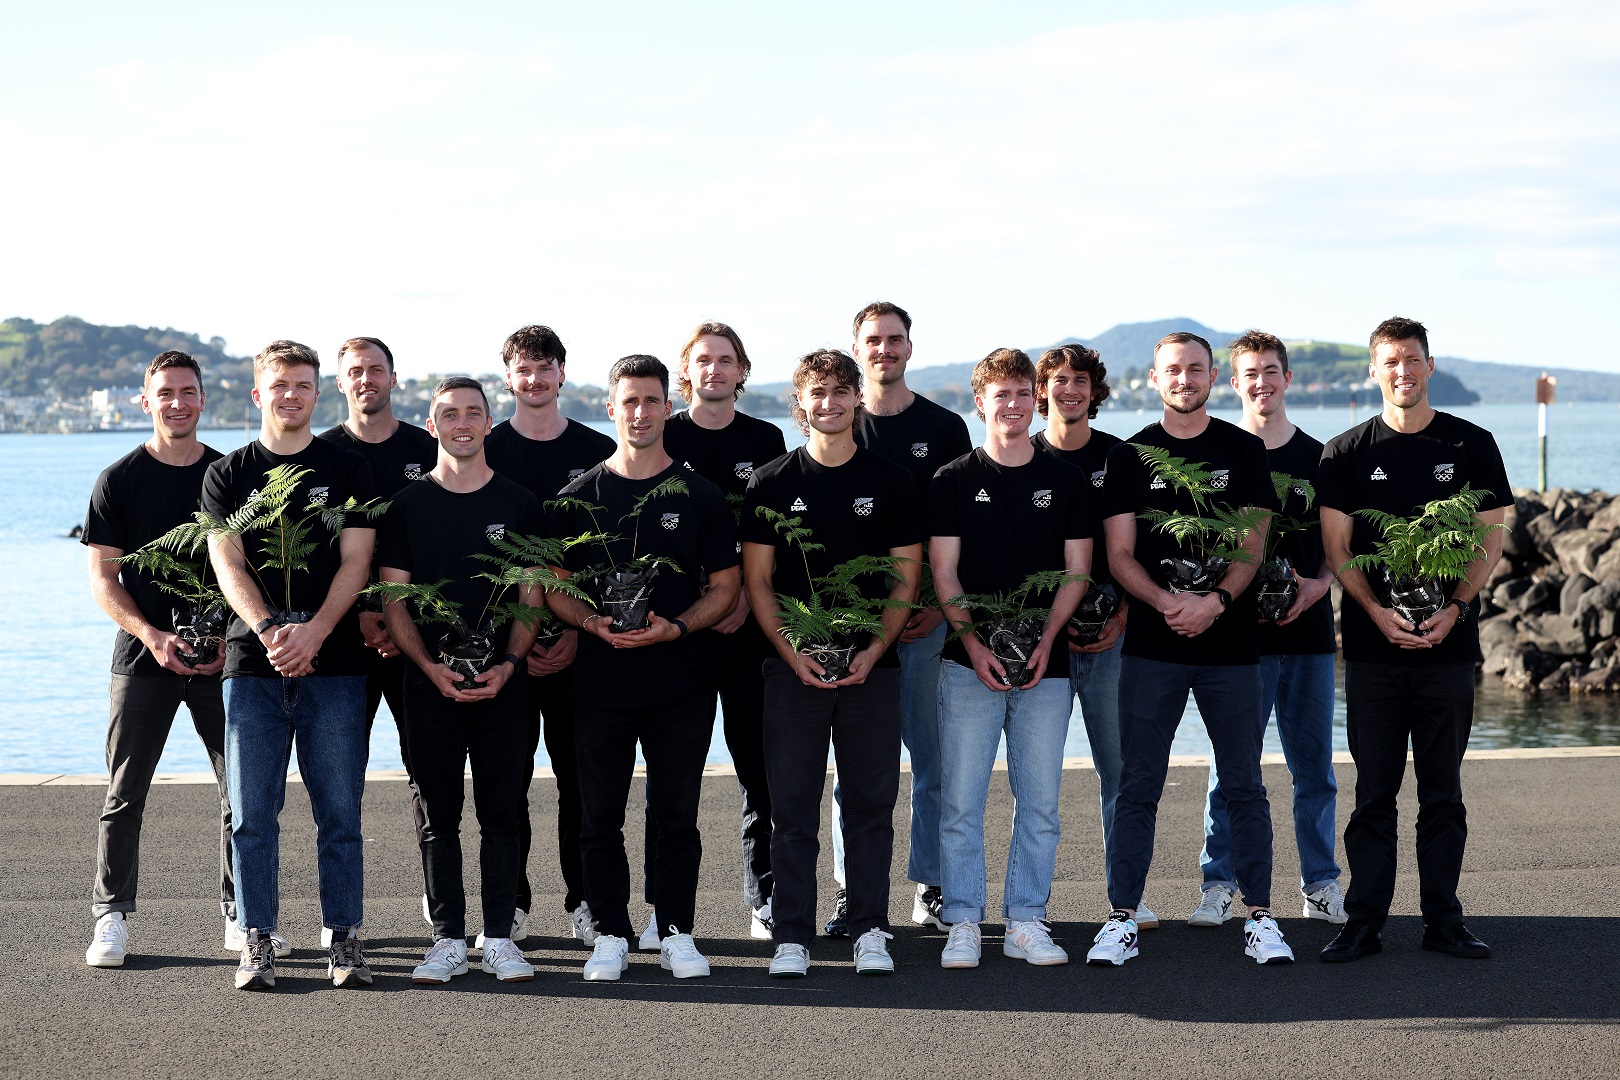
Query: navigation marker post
x: 1546, y: 386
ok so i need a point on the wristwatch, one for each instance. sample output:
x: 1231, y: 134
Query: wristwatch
x: 266, y: 624
x: 515, y: 660
x: 679, y: 626
x: 1462, y: 609
x: 1226, y: 597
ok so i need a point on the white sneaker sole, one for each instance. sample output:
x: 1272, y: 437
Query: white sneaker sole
x: 516, y: 976
x: 434, y: 980
x: 1151, y: 922
x: 1013, y: 952
x: 758, y: 930
x: 606, y: 974
x: 104, y: 960
x: 1275, y: 958
x: 789, y: 972
x: 923, y: 917
x: 1095, y: 960
x: 1197, y: 919
x: 686, y: 971
x: 875, y: 967
x: 1314, y: 912
x: 955, y: 963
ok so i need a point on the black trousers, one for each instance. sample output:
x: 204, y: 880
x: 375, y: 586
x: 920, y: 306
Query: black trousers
x: 1385, y: 705
x: 443, y: 736
x: 863, y: 725
x: 742, y: 708
x: 674, y: 738
x: 551, y: 711
x: 143, y: 708
x: 385, y: 681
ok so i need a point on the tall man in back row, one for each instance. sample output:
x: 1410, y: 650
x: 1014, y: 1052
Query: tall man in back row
x: 1402, y: 681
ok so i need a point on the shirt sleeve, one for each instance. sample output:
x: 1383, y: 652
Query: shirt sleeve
x: 105, y: 522
x: 908, y: 522
x: 1079, y: 522
x: 1117, y: 495
x: 1258, y: 488
x: 753, y: 528
x: 394, y: 539
x: 1488, y: 470
x: 944, y: 515
x: 958, y: 442
x: 719, y: 546
x: 362, y: 486
x: 218, y: 498
x: 1332, y: 489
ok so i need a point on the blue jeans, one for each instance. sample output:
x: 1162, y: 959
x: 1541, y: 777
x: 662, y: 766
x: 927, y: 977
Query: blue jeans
x: 1301, y: 689
x: 972, y: 718
x: 919, y: 730
x: 1152, y: 697
x: 326, y: 717
x: 1094, y: 679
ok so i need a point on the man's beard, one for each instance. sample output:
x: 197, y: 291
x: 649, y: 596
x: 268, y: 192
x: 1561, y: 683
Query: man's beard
x: 1175, y: 403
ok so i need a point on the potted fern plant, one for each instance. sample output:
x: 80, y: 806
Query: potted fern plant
x: 1415, y: 557
x: 1276, y: 586
x: 1211, y: 537
x: 1010, y: 623
x: 200, y: 620
x: 839, y: 618
x: 623, y: 590
x: 1095, y: 609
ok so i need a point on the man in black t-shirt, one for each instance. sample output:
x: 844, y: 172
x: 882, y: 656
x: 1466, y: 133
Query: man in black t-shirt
x: 1296, y: 651
x: 900, y: 424
x: 1071, y: 382
x: 1402, y: 681
x: 996, y: 516
x: 294, y: 664
x: 137, y: 499
x: 654, y: 684
x: 854, y: 504
x: 724, y: 447
x: 434, y: 534
x: 544, y: 451
x: 1192, y: 630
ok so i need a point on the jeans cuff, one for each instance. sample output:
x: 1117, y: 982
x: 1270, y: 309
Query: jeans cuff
x: 1013, y: 914
x: 1229, y: 886
x: 126, y: 906
x: 1313, y: 886
x: 952, y: 915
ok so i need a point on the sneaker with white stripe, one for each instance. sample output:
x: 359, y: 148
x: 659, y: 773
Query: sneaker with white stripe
x: 1115, y: 943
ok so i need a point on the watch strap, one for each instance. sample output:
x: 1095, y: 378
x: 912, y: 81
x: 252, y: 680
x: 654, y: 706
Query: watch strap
x: 264, y: 625
x: 1226, y: 597
x: 680, y: 626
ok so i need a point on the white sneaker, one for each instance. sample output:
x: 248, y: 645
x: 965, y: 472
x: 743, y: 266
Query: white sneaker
x: 649, y: 940
x: 790, y: 962
x: 504, y: 960
x: 447, y: 959
x: 1264, y: 941
x: 1214, y: 909
x: 872, y: 953
x: 519, y: 931
x: 236, y: 940
x: 427, y: 915
x: 761, y: 927
x: 1032, y: 941
x: 926, y: 907
x: 678, y: 954
x: 1327, y: 904
x: 962, y: 947
x: 610, y: 958
x: 1115, y: 943
x: 584, y: 924
x: 110, y: 945
x: 1145, y: 919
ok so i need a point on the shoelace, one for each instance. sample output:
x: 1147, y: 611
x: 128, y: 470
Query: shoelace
x: 962, y: 935
x: 681, y: 946
x: 610, y: 948
x: 790, y: 951
x: 871, y: 942
x: 1116, y: 928
x: 111, y: 932
x: 443, y: 949
x: 1037, y: 932
x: 346, y: 953
x: 503, y: 953
x: 261, y: 952
x: 1265, y: 931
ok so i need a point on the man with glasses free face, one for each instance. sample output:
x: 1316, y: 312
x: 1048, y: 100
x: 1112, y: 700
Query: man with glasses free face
x: 137, y: 499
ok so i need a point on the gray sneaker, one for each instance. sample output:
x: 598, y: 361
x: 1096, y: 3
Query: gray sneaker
x: 257, y: 968
x: 346, y: 964
x: 1214, y: 908
x: 1327, y: 904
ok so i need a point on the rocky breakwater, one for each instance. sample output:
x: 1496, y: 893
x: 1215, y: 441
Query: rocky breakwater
x: 1549, y: 612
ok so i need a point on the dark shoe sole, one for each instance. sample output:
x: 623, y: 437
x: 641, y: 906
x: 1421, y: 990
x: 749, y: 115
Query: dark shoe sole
x: 1461, y: 954
x: 1345, y: 956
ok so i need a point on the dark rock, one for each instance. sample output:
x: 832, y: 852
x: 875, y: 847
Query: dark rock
x: 1541, y: 532
x: 1571, y: 593
x: 1505, y: 595
x: 1526, y: 667
x: 1498, y: 630
x: 1595, y: 612
x: 1608, y: 564
x: 1553, y: 634
x: 1562, y: 676
x: 1578, y: 549
x: 1599, y: 680
x: 1607, y: 518
x: 1542, y: 595
x: 1604, y: 652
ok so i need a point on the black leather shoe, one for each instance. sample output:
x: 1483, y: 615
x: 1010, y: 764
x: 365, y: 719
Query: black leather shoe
x: 1354, y: 941
x: 838, y: 925
x: 1455, y: 940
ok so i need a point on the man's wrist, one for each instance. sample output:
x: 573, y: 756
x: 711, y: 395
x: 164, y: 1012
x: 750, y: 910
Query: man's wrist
x: 265, y: 624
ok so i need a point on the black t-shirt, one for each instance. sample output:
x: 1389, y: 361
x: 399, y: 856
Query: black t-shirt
x: 866, y: 506
x: 696, y: 532
x: 1013, y: 521
x: 433, y: 535
x: 1239, y: 461
x: 920, y: 439
x: 136, y: 500
x: 1312, y: 632
x: 338, y: 475
x: 1092, y: 461
x: 727, y: 459
x: 546, y: 466
x: 407, y: 455
x: 1372, y: 466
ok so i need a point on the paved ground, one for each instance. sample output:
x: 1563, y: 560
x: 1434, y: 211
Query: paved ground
x: 1539, y: 884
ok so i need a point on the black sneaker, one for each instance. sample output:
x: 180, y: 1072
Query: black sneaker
x: 257, y: 968
x: 838, y: 925
x: 928, y: 908
x: 346, y: 964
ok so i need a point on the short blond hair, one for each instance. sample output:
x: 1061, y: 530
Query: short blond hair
x: 284, y: 354
x: 1000, y: 366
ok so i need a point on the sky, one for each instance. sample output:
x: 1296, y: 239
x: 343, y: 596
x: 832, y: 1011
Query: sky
x: 1011, y: 173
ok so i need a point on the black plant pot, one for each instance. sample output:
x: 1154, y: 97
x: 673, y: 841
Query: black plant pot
x: 1012, y: 642
x: 627, y: 598
x: 1276, y: 589
x: 468, y: 655
x: 1415, y: 599
x: 834, y: 658
x: 200, y: 634
x: 1186, y: 576
x: 1096, y: 608
x: 550, y: 633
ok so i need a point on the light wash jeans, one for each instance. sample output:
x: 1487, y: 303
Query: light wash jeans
x: 972, y: 718
x: 1301, y: 689
x: 919, y: 730
x: 326, y: 717
x: 1094, y: 679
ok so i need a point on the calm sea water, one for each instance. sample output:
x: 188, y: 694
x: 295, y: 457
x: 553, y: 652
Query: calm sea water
x: 55, y: 644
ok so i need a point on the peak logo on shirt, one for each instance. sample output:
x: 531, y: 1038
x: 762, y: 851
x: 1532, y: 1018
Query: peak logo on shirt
x: 863, y: 507
x: 1098, y: 477
x: 1218, y: 479
x: 1378, y: 473
x: 413, y: 471
x: 670, y: 521
x: 1444, y: 473
x: 798, y: 504
x: 919, y: 449
x: 495, y: 532
x: 687, y: 465
x: 1043, y: 498
x: 743, y: 469
x: 982, y: 496
x: 1157, y: 485
x: 319, y: 495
